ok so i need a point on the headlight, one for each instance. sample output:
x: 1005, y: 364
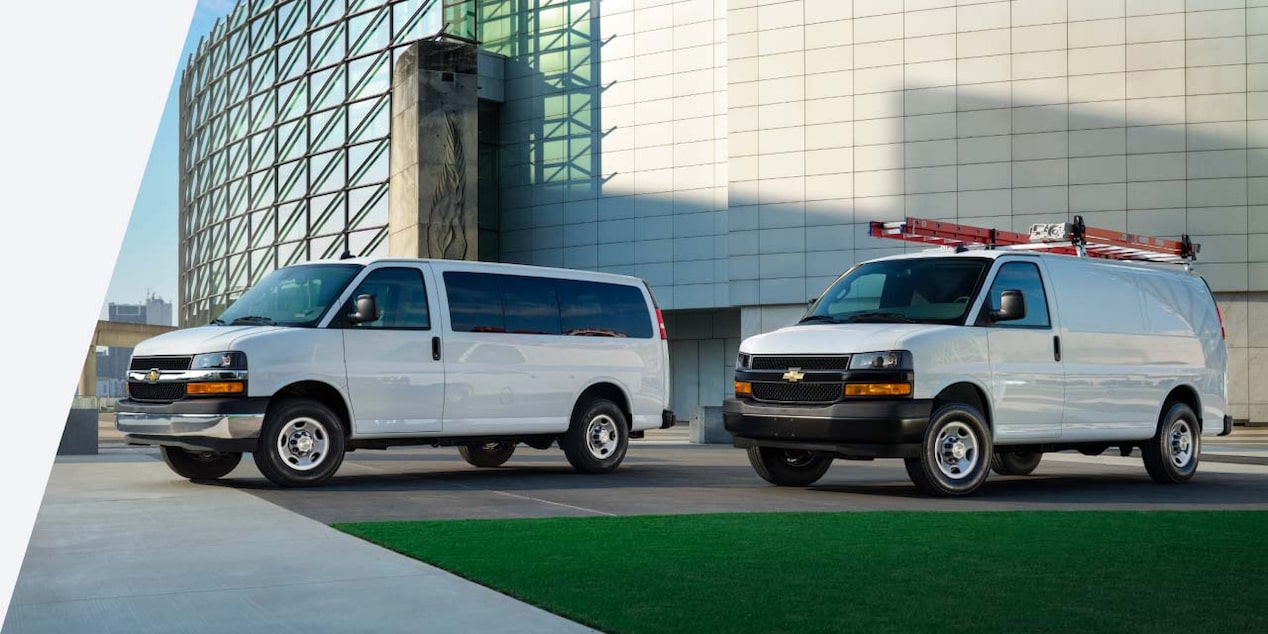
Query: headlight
x: 220, y: 361
x: 887, y: 360
x: 742, y: 361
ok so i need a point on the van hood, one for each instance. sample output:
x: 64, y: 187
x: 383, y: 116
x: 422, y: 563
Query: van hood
x: 197, y: 340
x: 835, y: 338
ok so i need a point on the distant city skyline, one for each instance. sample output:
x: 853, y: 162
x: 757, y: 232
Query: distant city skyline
x: 147, y: 262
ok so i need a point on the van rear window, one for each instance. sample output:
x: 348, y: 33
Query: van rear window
x: 491, y: 302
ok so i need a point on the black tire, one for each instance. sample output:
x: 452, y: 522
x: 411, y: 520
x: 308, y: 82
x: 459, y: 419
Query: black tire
x: 787, y: 467
x: 1172, y: 455
x: 597, y: 438
x: 200, y: 465
x: 1018, y: 463
x: 487, y: 454
x: 313, y: 447
x: 944, y: 470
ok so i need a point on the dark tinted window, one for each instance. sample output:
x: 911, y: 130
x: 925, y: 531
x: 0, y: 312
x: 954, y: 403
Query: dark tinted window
x: 1024, y: 277
x: 475, y: 302
x: 919, y: 290
x: 530, y: 305
x: 484, y: 302
x: 602, y: 310
x: 401, y: 296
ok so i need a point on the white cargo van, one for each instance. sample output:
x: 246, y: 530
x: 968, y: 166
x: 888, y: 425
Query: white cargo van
x: 966, y: 360
x: 327, y: 357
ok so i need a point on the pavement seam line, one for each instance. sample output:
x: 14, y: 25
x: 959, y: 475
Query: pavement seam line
x: 529, y: 497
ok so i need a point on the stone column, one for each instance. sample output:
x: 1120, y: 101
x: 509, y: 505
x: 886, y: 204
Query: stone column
x: 432, y: 210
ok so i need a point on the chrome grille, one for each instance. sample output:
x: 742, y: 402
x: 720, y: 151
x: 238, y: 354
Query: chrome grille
x: 798, y: 392
x: 803, y: 362
x: 162, y: 363
x: 156, y: 391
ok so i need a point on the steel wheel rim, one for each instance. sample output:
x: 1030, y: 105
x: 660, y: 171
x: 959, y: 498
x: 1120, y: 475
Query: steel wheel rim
x: 601, y: 437
x: 797, y: 458
x: 303, y: 443
x: 491, y: 447
x: 1182, y: 444
x: 956, y: 451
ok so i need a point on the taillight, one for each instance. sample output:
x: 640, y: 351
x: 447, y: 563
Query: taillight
x: 660, y: 319
x: 1219, y: 313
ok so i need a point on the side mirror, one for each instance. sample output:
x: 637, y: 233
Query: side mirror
x: 1011, y: 306
x: 367, y: 310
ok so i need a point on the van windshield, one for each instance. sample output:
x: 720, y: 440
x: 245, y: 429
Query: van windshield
x: 292, y: 296
x: 918, y: 291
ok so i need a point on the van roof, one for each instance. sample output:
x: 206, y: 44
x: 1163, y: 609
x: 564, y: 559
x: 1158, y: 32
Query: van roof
x: 490, y: 267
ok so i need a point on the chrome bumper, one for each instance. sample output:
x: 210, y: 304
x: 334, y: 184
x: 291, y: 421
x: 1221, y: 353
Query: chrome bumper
x: 221, y: 426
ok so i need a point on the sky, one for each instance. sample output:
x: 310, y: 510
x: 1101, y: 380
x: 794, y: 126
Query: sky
x: 147, y: 259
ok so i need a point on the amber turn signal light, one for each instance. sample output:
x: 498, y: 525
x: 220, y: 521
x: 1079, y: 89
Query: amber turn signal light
x: 743, y: 388
x: 878, y: 389
x: 215, y: 387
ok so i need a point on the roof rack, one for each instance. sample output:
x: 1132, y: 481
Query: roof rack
x: 1068, y: 238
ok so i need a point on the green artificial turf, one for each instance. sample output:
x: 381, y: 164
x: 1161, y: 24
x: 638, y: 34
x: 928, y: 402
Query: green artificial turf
x: 866, y: 572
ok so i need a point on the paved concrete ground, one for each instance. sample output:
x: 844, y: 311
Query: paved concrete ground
x: 122, y: 546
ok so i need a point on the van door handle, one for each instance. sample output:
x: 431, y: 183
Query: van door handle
x: 1056, y: 347
x: 435, y: 348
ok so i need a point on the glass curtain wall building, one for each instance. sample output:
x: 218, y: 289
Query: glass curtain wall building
x: 285, y: 111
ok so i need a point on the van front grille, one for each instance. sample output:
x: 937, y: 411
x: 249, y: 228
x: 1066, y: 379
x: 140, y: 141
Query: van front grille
x: 156, y: 391
x: 163, y: 363
x: 839, y: 362
x: 798, y: 392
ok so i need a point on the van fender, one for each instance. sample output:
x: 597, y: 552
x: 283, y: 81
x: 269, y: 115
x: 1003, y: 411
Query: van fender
x: 312, y: 386
x: 987, y: 405
x: 621, y: 396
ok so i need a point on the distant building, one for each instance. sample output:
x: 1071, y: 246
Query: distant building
x: 154, y: 311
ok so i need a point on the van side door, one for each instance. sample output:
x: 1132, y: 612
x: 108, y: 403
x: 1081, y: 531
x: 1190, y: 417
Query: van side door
x: 1027, y: 374
x: 396, y: 382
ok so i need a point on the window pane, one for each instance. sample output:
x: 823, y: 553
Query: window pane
x: 1024, y: 277
x: 530, y: 305
x: 401, y: 296
x: 602, y: 310
x: 475, y: 302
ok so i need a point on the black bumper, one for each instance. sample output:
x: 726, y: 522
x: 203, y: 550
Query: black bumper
x: 667, y: 419
x: 231, y: 406
x: 862, y: 429
x: 1228, y: 426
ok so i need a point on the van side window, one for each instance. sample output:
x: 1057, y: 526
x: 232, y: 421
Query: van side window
x: 401, y: 296
x: 475, y: 302
x: 530, y: 305
x: 602, y: 310
x: 1022, y: 276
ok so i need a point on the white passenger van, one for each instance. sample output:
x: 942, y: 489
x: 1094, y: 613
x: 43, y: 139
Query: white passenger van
x: 967, y: 360
x: 327, y: 357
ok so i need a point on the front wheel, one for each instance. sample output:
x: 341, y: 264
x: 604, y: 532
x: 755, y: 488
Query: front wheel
x: 200, y: 465
x: 597, y: 438
x: 487, y: 454
x: 1015, y: 462
x: 955, y: 453
x: 301, y: 444
x: 1171, y: 456
x: 788, y: 467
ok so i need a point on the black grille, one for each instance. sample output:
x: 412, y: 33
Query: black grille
x: 797, y: 392
x: 156, y: 391
x: 805, y: 363
x: 162, y: 363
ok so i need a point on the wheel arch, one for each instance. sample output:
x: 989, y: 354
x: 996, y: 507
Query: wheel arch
x: 968, y: 393
x: 1186, y: 394
x: 605, y: 389
x: 319, y: 391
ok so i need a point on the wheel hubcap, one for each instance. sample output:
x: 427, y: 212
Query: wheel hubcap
x: 955, y: 451
x: 602, y: 436
x: 302, y: 444
x: 797, y: 458
x: 1181, y: 442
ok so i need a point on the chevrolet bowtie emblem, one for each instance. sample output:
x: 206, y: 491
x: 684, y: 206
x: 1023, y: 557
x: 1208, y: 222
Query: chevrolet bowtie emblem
x: 152, y: 376
x: 793, y: 375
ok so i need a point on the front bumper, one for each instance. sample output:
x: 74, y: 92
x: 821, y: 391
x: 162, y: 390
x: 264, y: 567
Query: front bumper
x: 863, y: 429
x: 201, y: 423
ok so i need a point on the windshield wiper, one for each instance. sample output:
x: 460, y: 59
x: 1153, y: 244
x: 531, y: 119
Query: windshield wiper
x: 880, y: 317
x: 217, y: 322
x: 258, y: 320
x: 819, y: 319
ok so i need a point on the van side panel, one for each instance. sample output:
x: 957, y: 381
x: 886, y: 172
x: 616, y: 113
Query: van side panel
x: 1182, y: 314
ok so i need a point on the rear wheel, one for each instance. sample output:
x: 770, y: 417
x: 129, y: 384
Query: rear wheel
x: 301, y: 444
x: 1015, y: 462
x: 955, y: 453
x: 487, y: 454
x: 788, y: 467
x: 597, y: 438
x: 1171, y: 456
x: 200, y: 465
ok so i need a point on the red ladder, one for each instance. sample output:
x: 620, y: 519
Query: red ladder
x: 1068, y: 238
